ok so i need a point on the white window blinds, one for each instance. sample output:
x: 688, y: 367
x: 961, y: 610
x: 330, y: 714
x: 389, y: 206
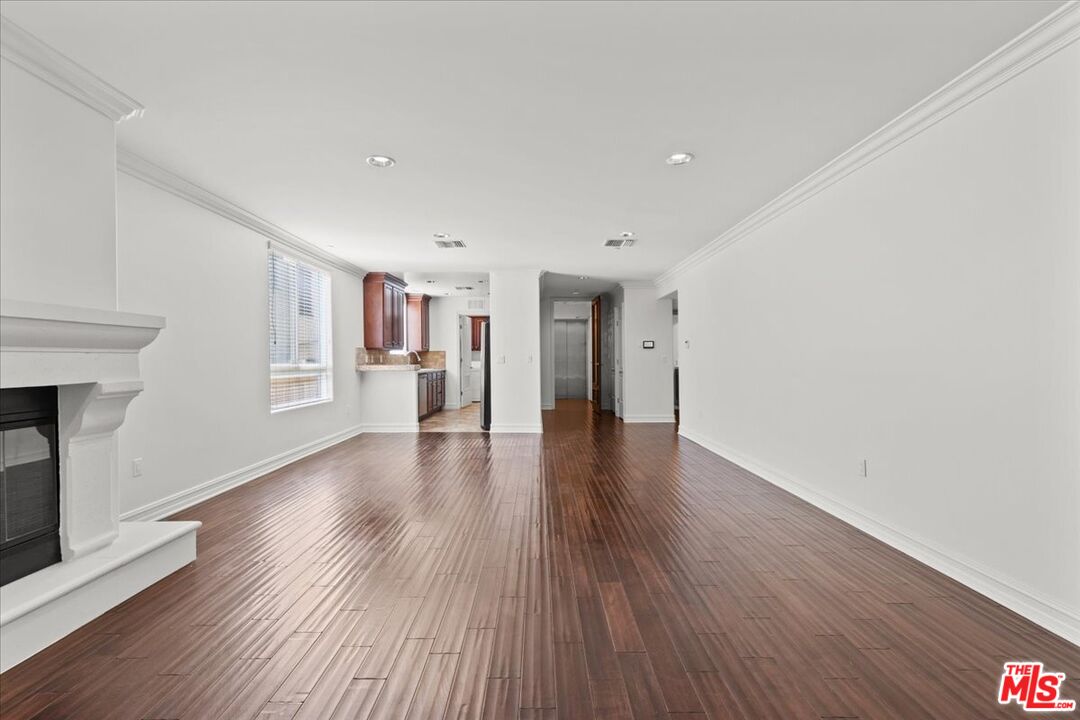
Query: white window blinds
x: 300, y: 348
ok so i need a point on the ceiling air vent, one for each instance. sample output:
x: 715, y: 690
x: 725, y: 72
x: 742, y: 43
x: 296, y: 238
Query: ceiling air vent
x: 619, y: 243
x: 449, y: 244
x: 463, y: 287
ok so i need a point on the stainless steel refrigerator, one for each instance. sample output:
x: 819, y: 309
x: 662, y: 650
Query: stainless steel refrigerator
x: 485, y: 374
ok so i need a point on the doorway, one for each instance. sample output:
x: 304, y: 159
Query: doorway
x: 571, y: 361
x: 595, y: 365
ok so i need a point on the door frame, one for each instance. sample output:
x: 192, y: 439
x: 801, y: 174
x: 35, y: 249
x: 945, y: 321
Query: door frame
x: 597, y: 370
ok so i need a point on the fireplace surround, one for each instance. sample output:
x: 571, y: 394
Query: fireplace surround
x: 87, y: 361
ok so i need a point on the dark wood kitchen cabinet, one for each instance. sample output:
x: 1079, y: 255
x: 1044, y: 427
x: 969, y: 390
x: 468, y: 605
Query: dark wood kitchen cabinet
x: 430, y: 392
x: 384, y: 312
x: 417, y: 311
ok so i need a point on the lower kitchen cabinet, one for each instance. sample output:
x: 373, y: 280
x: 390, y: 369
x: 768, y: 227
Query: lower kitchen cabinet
x: 430, y: 392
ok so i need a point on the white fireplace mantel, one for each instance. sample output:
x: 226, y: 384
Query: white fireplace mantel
x: 61, y: 345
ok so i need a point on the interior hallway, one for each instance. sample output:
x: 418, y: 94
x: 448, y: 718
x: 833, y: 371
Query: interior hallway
x: 600, y: 569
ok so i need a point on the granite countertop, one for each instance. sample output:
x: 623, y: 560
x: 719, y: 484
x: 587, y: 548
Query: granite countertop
x: 397, y: 368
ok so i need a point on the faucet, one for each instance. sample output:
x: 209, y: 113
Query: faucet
x: 413, y: 352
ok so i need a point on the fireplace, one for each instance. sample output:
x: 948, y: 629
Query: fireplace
x: 29, y: 481
x: 67, y: 377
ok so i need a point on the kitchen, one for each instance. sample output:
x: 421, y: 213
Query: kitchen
x: 421, y: 368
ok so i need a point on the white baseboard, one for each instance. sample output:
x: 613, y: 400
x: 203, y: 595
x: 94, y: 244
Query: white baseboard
x: 451, y: 406
x: 393, y: 428
x: 511, y: 428
x: 648, y: 419
x: 547, y: 406
x: 1057, y: 619
x: 192, y: 496
x: 43, y: 607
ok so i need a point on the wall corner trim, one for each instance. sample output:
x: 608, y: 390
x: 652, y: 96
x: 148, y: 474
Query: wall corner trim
x: 46, y: 63
x: 1035, y: 44
x: 192, y: 496
x: 139, y: 167
x: 1061, y: 621
x: 637, y: 284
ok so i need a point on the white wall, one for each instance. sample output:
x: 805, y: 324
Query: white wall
x: 204, y: 412
x: 57, y: 188
x: 443, y: 335
x: 924, y: 314
x: 515, y: 351
x: 648, y: 379
x: 388, y: 401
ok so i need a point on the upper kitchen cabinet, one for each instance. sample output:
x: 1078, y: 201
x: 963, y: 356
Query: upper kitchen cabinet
x: 417, y: 310
x: 384, y: 312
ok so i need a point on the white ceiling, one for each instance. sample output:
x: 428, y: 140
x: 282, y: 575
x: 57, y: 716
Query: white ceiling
x: 472, y: 284
x: 532, y: 131
x: 559, y: 285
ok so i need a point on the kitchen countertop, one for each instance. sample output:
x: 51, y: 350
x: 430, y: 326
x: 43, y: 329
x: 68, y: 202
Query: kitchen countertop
x: 397, y: 368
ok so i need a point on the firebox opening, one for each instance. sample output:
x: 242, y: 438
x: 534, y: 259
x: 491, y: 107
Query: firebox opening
x: 29, y: 481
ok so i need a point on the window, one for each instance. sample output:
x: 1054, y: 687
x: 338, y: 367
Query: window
x: 300, y: 348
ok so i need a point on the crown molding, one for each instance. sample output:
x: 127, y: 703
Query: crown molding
x: 44, y: 62
x: 638, y: 284
x: 138, y: 167
x: 1035, y: 44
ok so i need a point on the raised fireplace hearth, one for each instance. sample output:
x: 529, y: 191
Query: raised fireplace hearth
x: 29, y: 481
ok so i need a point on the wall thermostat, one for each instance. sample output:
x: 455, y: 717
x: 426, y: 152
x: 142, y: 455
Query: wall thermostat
x: 648, y: 344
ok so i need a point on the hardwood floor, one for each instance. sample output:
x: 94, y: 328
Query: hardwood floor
x: 599, y: 570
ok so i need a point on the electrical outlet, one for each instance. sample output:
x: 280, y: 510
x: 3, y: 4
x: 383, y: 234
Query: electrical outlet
x: 864, y: 468
x: 136, y: 467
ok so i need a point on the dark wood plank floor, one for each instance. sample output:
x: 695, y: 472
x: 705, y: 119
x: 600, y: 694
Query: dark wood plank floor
x: 600, y: 570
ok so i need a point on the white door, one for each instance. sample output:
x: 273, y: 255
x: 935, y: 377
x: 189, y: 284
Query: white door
x: 465, y: 360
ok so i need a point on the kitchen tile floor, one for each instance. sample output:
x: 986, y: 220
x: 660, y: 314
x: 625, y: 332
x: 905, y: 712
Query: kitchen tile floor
x: 467, y: 419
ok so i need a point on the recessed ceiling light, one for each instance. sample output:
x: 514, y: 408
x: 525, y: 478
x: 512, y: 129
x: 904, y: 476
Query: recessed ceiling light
x: 442, y: 236
x: 626, y: 233
x: 680, y: 158
x: 430, y: 282
x: 380, y: 161
x: 577, y: 292
x: 582, y: 277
